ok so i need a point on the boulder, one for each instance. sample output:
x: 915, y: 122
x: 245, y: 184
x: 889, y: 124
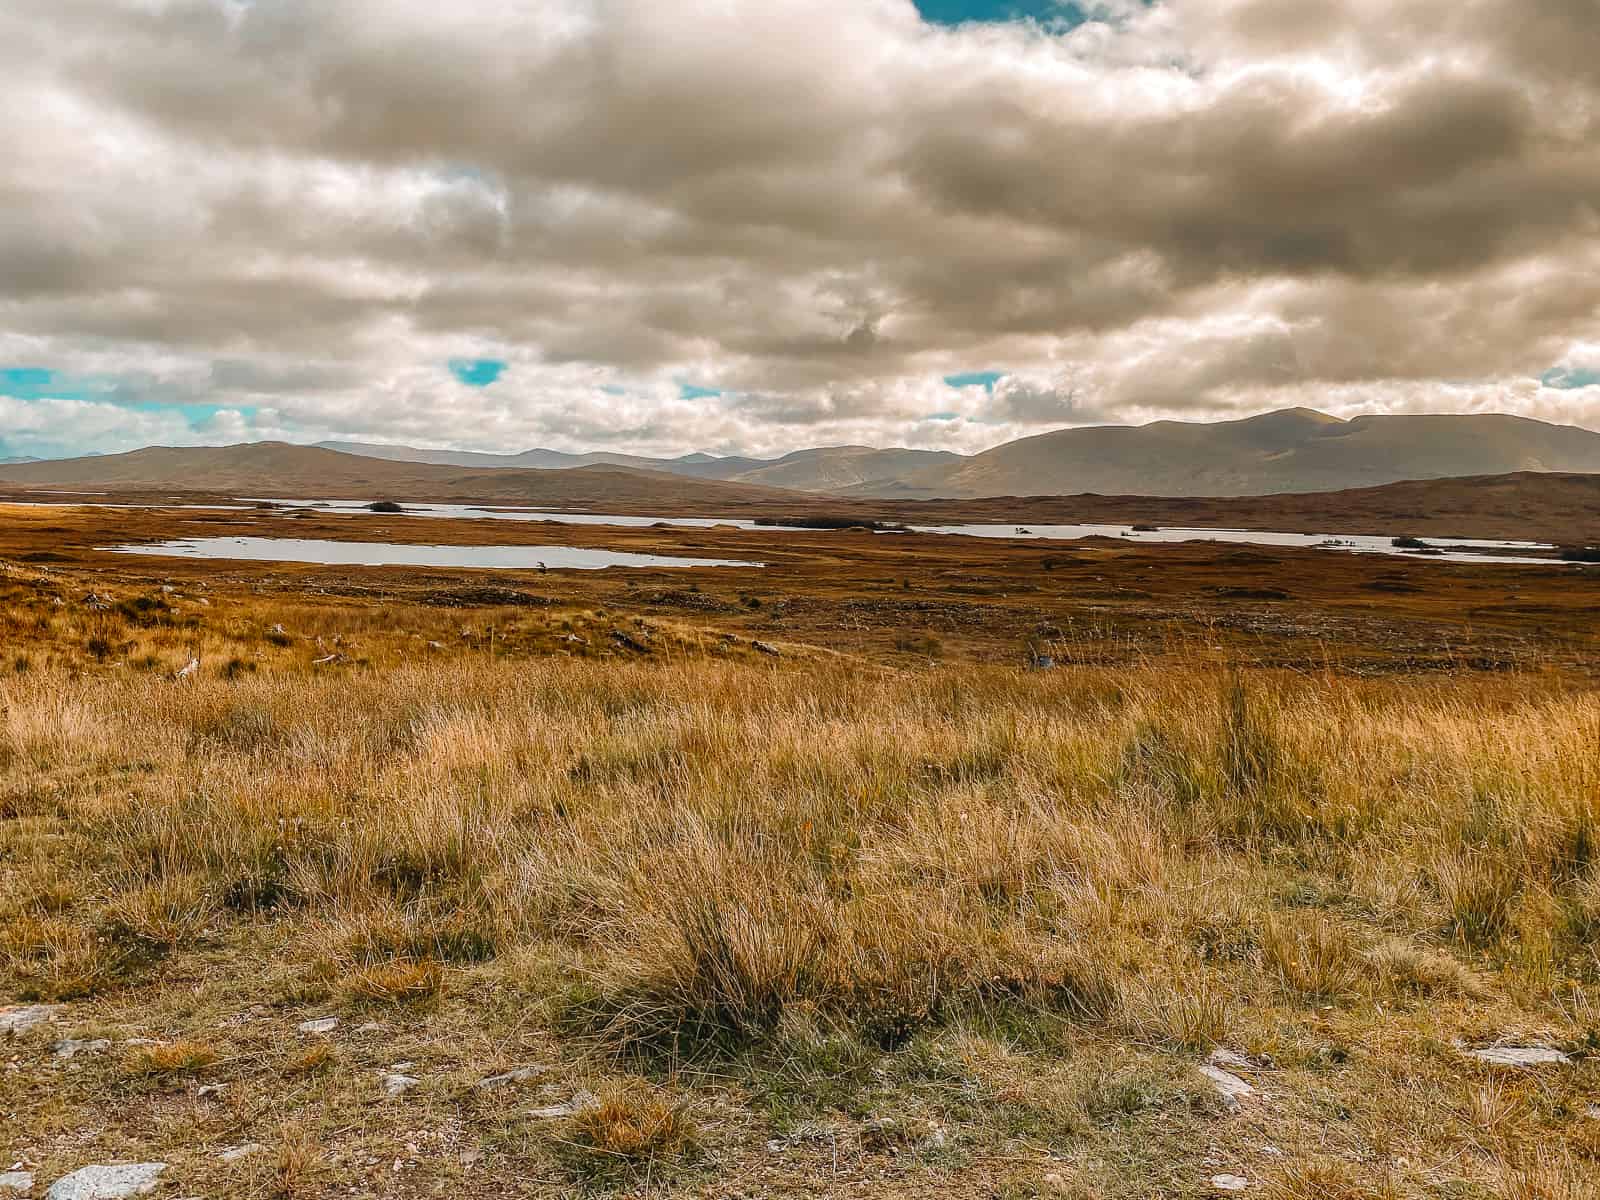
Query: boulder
x: 72, y: 1047
x: 1520, y: 1056
x: 398, y: 1085
x: 20, y: 1020
x: 110, y: 1182
x: 520, y: 1075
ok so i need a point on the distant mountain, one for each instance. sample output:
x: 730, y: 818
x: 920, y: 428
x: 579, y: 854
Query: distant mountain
x: 18, y: 460
x: 826, y: 469
x: 538, y: 460
x: 277, y: 469
x: 1294, y: 450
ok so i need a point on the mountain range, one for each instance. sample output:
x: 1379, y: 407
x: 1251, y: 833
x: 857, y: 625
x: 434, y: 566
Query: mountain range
x: 1291, y: 451
x: 274, y: 470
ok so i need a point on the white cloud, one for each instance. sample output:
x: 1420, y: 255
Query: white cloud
x: 305, y: 209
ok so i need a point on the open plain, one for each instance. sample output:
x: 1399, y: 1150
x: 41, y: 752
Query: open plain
x: 799, y: 879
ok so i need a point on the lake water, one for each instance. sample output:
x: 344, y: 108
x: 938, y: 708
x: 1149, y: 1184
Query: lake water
x: 383, y: 554
x: 1453, y: 550
x: 484, y: 513
x: 1459, y: 550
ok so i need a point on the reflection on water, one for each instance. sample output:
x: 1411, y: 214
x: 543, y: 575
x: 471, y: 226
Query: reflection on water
x: 488, y: 513
x: 1459, y: 550
x: 1449, y: 550
x: 384, y: 554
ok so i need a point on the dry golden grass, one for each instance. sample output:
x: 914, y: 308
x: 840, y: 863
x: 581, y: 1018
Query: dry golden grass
x: 633, y: 1121
x: 396, y: 982
x: 171, y: 1058
x: 1020, y: 906
x: 308, y: 1060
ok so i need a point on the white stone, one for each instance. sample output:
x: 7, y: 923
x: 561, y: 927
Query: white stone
x: 1519, y: 1056
x: 520, y: 1075
x: 320, y: 1025
x: 16, y: 1181
x: 235, y: 1153
x: 72, y: 1047
x: 20, y: 1020
x: 399, y: 1085
x: 1229, y: 1183
x: 1227, y: 1058
x: 112, y: 1182
x: 1229, y: 1086
x: 571, y: 1108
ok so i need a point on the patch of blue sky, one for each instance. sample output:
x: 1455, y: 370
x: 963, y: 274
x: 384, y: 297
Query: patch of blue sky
x: 690, y: 391
x: 984, y: 379
x: 1062, y: 13
x: 943, y: 416
x: 612, y: 389
x: 477, y: 372
x: 42, y: 383
x: 45, y: 383
x: 1570, y: 379
x: 194, y: 412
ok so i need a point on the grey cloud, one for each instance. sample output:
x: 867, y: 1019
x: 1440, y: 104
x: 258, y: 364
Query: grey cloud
x: 822, y: 207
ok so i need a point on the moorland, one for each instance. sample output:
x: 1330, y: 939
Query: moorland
x: 902, y: 865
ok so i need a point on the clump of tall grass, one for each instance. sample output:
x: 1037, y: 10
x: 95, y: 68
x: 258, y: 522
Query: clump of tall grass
x: 717, y: 850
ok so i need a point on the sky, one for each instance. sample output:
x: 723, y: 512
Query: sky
x: 748, y: 226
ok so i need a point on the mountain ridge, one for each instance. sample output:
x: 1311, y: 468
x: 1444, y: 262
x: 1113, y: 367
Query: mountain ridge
x: 1294, y: 450
x: 1286, y: 450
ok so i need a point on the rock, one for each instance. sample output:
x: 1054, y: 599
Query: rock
x: 211, y: 1090
x: 520, y: 1075
x: 370, y: 1027
x: 16, y: 1181
x: 399, y: 1085
x: 1229, y: 1086
x: 72, y: 1047
x: 319, y: 1025
x: 571, y: 1108
x: 1229, y: 1183
x: 1592, y: 1112
x: 20, y: 1020
x: 1229, y: 1060
x: 107, y: 1182
x: 1519, y: 1056
x: 766, y: 648
x: 234, y: 1153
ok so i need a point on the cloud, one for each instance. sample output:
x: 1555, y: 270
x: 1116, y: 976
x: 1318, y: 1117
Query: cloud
x: 808, y: 213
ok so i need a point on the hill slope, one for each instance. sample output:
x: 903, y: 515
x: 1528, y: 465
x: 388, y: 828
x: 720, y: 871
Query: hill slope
x: 277, y: 469
x: 1527, y: 506
x: 824, y: 469
x: 1295, y: 450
